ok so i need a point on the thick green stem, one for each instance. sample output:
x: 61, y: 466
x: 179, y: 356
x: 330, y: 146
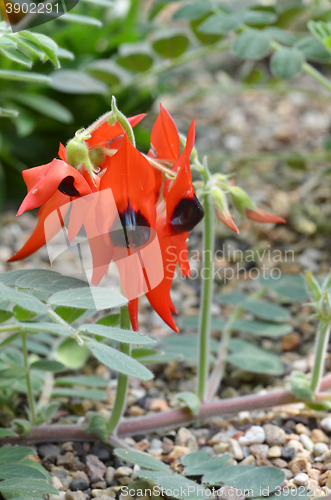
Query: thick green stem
x: 28, y: 381
x: 122, y: 380
x: 123, y: 121
x: 308, y: 68
x: 321, y: 345
x: 207, y: 289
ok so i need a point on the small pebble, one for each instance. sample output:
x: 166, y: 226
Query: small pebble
x: 60, y: 496
x: 249, y: 460
x: 288, y: 473
x: 101, y: 452
x: 220, y: 448
x: 95, y: 469
x: 301, y: 479
x: 254, y: 435
x: 75, y: 495
x: 259, y: 450
x: 274, y: 435
x: 110, y: 475
x: 79, y: 483
x: 307, y: 442
x: 123, y: 471
x: 324, y: 478
x: 320, y: 449
x: 220, y: 437
x: 56, y: 483
x: 318, y: 436
x: 302, y: 429
x: 279, y: 462
x: 314, y: 474
x: 326, y: 424
x: 274, y: 452
x: 236, y: 450
x: 49, y: 450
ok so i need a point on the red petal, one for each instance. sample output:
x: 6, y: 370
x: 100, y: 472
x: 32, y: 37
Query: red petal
x: 107, y: 132
x: 43, y: 182
x: 133, y: 311
x: 226, y: 218
x: 38, y: 238
x: 259, y: 215
x: 165, y: 142
x: 62, y: 152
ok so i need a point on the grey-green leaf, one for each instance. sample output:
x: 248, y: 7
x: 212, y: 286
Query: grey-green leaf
x: 251, y: 44
x: 23, y: 300
x: 221, y: 23
x: 249, y: 357
x: 31, y: 487
x: 48, y: 281
x: 14, y: 454
x: 193, y: 10
x: 45, y: 106
x: 287, y: 62
x: 118, y: 361
x: 267, y: 311
x: 141, y: 459
x: 261, y: 328
x: 190, y: 400
x: 126, y: 336
x: 24, y: 76
x: 46, y: 327
x: 171, y: 46
x: 76, y: 82
x: 47, y: 365
x: 88, y: 298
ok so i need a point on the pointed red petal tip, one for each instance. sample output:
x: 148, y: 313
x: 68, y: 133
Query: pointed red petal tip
x: 226, y: 218
x: 259, y: 215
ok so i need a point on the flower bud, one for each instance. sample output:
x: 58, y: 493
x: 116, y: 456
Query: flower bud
x: 259, y: 215
x: 325, y: 306
x: 313, y: 287
x: 241, y: 200
x: 221, y: 208
x: 78, y: 155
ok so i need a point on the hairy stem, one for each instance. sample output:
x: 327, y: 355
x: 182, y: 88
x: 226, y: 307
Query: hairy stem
x: 122, y: 380
x: 321, y: 345
x: 28, y: 380
x: 207, y: 289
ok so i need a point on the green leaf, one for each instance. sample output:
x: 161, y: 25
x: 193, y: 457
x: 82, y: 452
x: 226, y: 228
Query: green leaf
x: 14, y: 454
x: 45, y: 43
x: 46, y: 327
x: 85, y: 380
x: 185, y: 346
x: 31, y: 487
x: 313, y: 49
x: 45, y: 106
x: 23, y: 426
x: 126, y: 336
x: 109, y: 320
x: 12, y: 373
x: 141, y: 459
x: 78, y: 18
x: 221, y: 23
x: 24, y: 76
x: 136, y: 61
x: 235, y: 298
x: 48, y: 281
x: 6, y: 433
x: 287, y: 62
x: 280, y: 35
x: 171, y: 46
x: 193, y: 10
x: 23, y: 314
x: 17, y: 56
x: 142, y: 352
x: 248, y: 478
x: 190, y: 400
x: 71, y: 354
x: 88, y: 298
x: 20, y: 471
x: 261, y: 328
x: 199, y: 463
x: 98, y: 425
x: 259, y: 17
x: 251, y: 358
x: 70, y: 314
x: 267, y: 311
x: 7, y: 42
x: 251, y: 44
x: 23, y: 300
x: 47, y: 365
x: 28, y: 46
x: 116, y: 360
x: 300, y: 386
x: 5, y: 315
x: 76, y: 82
x: 205, y: 38
x: 107, y: 71
x: 8, y: 113
x: 176, y: 485
x: 92, y: 394
x: 291, y: 287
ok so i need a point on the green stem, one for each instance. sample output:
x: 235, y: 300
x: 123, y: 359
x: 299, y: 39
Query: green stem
x: 10, y: 328
x: 122, y: 380
x: 308, y: 68
x: 57, y: 319
x: 123, y: 121
x: 207, y: 289
x: 321, y: 345
x: 28, y: 380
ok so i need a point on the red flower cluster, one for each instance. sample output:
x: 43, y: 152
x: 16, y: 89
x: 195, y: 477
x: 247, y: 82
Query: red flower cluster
x: 123, y: 203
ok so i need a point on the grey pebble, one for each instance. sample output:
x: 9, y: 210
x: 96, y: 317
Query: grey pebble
x: 95, y: 469
x: 79, y: 483
x: 274, y: 435
x: 326, y: 424
x: 110, y: 474
x: 320, y: 449
x: 49, y: 450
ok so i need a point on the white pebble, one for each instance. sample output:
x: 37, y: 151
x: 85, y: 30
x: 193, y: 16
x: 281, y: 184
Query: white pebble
x: 254, y: 435
x: 326, y: 424
x: 307, y: 442
x: 320, y: 449
x: 301, y: 479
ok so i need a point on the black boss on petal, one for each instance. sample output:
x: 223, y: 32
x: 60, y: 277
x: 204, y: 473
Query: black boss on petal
x: 134, y: 231
x: 186, y: 215
x: 67, y: 187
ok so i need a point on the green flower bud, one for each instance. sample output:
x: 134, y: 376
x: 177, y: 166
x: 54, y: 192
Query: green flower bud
x: 313, y: 287
x: 78, y: 155
x: 240, y: 199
